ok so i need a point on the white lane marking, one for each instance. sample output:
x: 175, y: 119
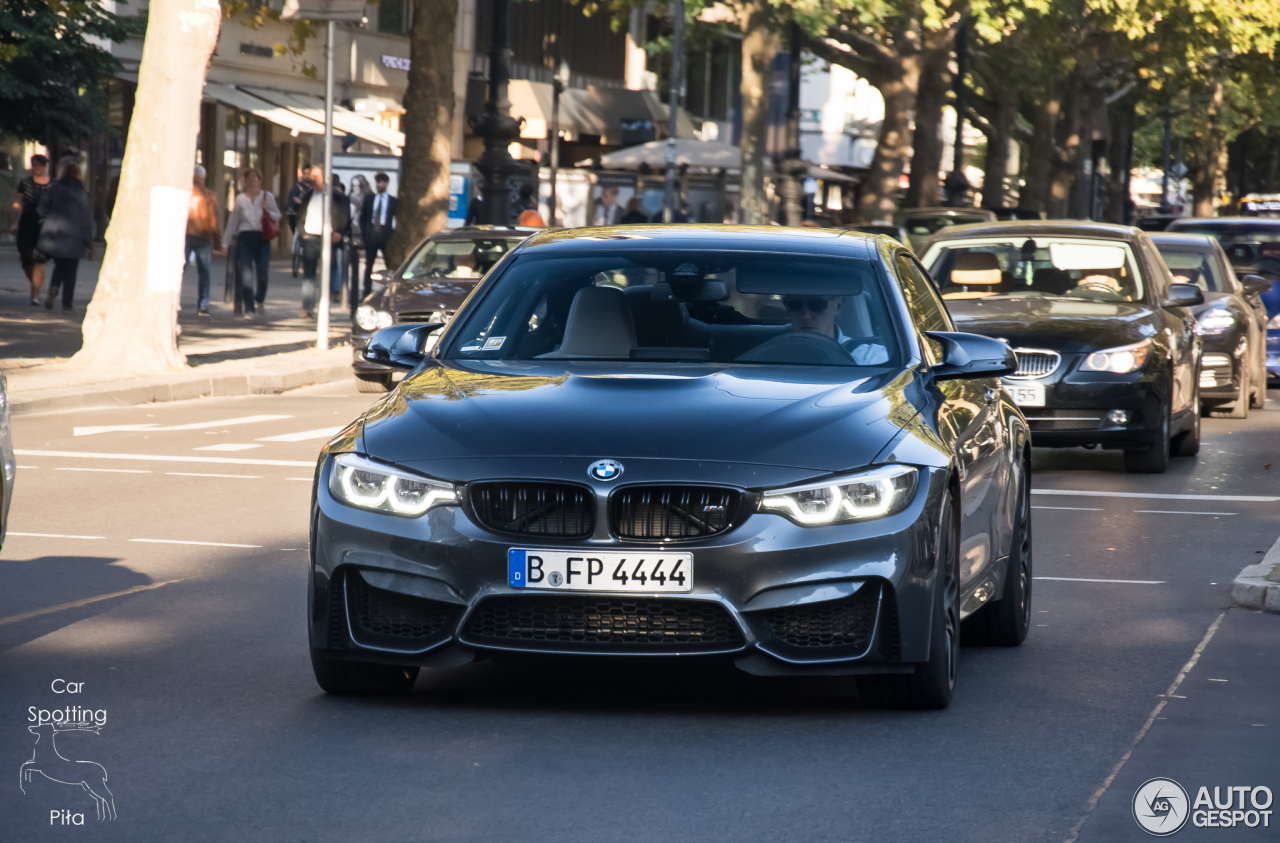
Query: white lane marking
x: 1084, y: 579
x: 1179, y: 512
x: 52, y: 535
x: 1218, y: 680
x: 112, y: 428
x: 1073, y: 508
x: 195, y: 474
x: 1077, y: 492
x: 228, y: 446
x: 303, y: 479
x: 202, y: 544
x: 109, y: 470
x: 320, y: 433
x: 23, y: 452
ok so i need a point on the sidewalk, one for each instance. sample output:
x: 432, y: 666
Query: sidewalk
x: 228, y: 355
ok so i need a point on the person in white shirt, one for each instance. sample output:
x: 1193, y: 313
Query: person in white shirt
x: 253, y: 251
x: 818, y: 314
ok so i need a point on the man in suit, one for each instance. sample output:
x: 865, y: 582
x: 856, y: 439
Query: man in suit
x: 377, y: 222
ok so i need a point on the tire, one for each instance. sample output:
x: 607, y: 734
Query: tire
x: 1154, y: 460
x: 1239, y: 408
x: 932, y: 684
x: 1004, y: 622
x: 359, y: 678
x: 1188, y: 444
x: 373, y: 383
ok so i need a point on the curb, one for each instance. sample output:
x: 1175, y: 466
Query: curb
x: 260, y: 376
x: 1257, y: 587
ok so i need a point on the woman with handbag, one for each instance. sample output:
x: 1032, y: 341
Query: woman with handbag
x: 253, y: 224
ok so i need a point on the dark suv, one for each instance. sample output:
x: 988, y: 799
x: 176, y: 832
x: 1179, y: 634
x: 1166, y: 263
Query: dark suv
x: 428, y: 287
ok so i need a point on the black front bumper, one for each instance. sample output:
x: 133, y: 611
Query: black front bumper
x: 774, y: 596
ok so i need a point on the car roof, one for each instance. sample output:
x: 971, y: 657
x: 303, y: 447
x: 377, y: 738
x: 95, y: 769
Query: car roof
x: 1261, y: 222
x: 945, y: 212
x: 484, y: 232
x: 747, y: 238
x: 1042, y: 228
x: 1174, y: 238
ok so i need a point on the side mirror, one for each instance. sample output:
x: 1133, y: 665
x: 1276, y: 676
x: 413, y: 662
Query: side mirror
x: 1255, y: 285
x: 1184, y: 295
x: 400, y: 346
x: 972, y: 356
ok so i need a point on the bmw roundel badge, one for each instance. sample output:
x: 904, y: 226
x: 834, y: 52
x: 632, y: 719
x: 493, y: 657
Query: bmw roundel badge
x: 605, y: 470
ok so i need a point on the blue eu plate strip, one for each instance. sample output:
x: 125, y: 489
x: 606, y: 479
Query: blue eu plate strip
x: 515, y: 568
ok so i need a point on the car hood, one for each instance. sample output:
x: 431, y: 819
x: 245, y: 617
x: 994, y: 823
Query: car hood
x: 1059, y: 324
x: 817, y: 420
x: 427, y: 295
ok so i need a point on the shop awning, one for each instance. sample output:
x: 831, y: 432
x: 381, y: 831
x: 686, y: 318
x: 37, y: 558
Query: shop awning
x: 290, y: 120
x: 690, y: 152
x: 583, y: 111
x: 344, y: 120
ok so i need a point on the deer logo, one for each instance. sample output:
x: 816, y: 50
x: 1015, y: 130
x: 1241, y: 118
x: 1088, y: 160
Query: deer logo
x: 48, y: 762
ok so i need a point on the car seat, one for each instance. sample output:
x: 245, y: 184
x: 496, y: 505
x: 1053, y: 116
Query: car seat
x: 599, y: 325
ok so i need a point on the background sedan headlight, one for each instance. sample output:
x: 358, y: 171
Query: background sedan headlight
x: 369, y: 317
x: 367, y: 484
x: 1215, y: 320
x: 1126, y: 358
x: 856, y: 497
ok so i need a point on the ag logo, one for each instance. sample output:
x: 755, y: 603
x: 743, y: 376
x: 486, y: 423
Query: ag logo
x: 605, y: 470
x: 1161, y: 807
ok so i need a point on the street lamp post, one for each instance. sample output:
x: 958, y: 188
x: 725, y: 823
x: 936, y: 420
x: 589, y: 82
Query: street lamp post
x: 560, y: 81
x: 957, y: 184
x: 496, y: 126
x: 326, y: 217
x: 670, y: 199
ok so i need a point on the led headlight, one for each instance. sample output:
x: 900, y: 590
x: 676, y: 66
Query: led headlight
x: 1126, y: 358
x: 1215, y: 320
x: 369, y: 317
x: 855, y: 497
x: 367, y: 484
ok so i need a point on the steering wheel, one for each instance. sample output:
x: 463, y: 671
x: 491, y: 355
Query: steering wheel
x: 1097, y: 287
x: 803, y: 347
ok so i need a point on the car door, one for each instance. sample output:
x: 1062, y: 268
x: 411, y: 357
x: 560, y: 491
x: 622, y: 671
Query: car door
x: 1256, y: 312
x: 1179, y: 323
x: 970, y: 410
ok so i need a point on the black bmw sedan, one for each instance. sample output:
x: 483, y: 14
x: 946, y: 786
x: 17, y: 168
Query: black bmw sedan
x: 758, y: 444
x: 1107, y: 347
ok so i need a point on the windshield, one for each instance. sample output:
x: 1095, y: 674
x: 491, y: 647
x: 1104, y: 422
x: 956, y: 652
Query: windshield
x: 1191, y: 266
x: 1245, y: 245
x: 684, y: 306
x: 456, y: 258
x: 1040, y: 267
x: 923, y: 226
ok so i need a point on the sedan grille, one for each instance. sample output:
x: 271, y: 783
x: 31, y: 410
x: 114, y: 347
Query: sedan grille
x: 442, y: 316
x: 610, y: 623
x: 835, y: 623
x: 1045, y: 419
x: 534, y: 509
x: 672, y: 512
x: 1036, y: 363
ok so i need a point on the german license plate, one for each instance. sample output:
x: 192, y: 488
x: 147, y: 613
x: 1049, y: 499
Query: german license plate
x: 1026, y: 394
x: 577, y: 570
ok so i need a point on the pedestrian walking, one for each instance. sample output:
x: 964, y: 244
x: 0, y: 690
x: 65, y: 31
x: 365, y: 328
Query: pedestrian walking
x: 311, y: 212
x: 66, y: 232
x: 360, y: 189
x: 202, y: 234
x: 635, y: 214
x: 253, y: 213
x: 377, y: 224
x: 291, y: 214
x: 26, y: 224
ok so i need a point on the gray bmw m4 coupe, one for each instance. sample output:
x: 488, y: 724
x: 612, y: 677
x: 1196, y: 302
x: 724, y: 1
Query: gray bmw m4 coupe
x: 761, y: 445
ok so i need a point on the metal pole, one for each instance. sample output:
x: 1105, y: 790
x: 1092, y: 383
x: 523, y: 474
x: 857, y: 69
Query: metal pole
x: 792, y: 169
x: 326, y: 224
x: 670, y: 197
x: 1165, y: 205
x: 556, y: 87
x: 497, y: 126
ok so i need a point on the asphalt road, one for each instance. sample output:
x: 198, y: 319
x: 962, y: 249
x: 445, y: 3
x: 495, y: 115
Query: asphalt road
x: 195, y: 529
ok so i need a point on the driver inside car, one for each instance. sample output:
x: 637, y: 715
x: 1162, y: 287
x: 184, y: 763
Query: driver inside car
x: 818, y: 314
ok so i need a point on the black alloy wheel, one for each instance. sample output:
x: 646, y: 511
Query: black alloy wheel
x: 1187, y: 444
x: 360, y: 678
x: 1004, y: 622
x: 1155, y: 459
x: 932, y: 683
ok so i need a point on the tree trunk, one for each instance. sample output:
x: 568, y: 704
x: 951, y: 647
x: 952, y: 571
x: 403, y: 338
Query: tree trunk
x: 759, y: 46
x: 893, y: 147
x: 1041, y: 154
x: 131, y: 322
x: 1119, y: 156
x: 925, y: 189
x: 995, y: 166
x: 423, y: 205
x: 1213, y: 160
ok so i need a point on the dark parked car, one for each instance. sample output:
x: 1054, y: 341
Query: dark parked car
x: 1252, y: 245
x: 923, y: 223
x: 1108, y: 352
x: 429, y: 287
x: 758, y: 444
x: 1232, y: 323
